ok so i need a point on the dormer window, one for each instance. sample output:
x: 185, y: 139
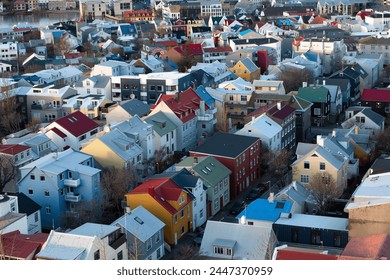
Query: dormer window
x: 181, y: 199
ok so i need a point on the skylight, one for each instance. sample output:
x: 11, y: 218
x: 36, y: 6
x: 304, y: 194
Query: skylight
x: 138, y: 220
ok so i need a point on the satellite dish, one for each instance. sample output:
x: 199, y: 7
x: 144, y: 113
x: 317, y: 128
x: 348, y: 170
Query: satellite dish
x: 132, y: 96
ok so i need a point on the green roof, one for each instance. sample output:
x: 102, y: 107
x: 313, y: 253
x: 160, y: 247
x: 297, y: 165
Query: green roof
x: 208, y: 168
x: 162, y: 125
x: 315, y: 95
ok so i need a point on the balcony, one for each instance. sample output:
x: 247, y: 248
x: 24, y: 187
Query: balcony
x: 206, y: 117
x: 71, y: 197
x: 72, y: 182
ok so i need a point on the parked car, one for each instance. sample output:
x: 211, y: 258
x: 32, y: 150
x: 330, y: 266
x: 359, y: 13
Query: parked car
x: 252, y: 195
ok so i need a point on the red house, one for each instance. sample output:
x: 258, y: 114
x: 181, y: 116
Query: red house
x: 241, y: 154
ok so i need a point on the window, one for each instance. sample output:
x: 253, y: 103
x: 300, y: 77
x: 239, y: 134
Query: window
x: 322, y: 165
x: 120, y: 255
x: 250, y: 223
x: 158, y: 253
x: 201, y: 213
x: 294, y: 235
x: 216, y: 205
x: 36, y: 216
x: 304, y: 179
x: 175, y: 219
x: 181, y: 213
x: 47, y: 193
x: 48, y: 210
x: 337, y: 239
x: 158, y: 237
x: 317, y: 111
x: 182, y: 230
x: 149, y: 244
x: 306, y: 165
x: 315, y: 237
x: 96, y: 255
x: 32, y: 176
x: 243, y: 98
x: 30, y: 191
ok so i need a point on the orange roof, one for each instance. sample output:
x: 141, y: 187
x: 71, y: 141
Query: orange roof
x: 374, y: 247
x: 318, y: 20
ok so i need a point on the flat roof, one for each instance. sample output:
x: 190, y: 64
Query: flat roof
x: 314, y: 221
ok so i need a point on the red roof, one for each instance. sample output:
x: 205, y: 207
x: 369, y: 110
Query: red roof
x: 281, y: 114
x: 24, y: 29
x: 76, y: 123
x: 286, y: 254
x: 22, y: 246
x: 318, y: 20
x: 13, y: 149
x: 184, y: 105
x: 192, y: 49
x: 377, y: 95
x: 374, y: 247
x: 162, y: 190
x: 297, y: 41
x: 218, y: 49
x: 363, y: 14
x: 170, y: 43
x: 58, y: 132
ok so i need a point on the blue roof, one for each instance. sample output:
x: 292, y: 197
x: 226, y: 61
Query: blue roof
x: 204, y: 95
x: 284, y: 22
x: 57, y: 34
x: 242, y: 33
x: 128, y: 29
x: 262, y: 209
x: 311, y: 56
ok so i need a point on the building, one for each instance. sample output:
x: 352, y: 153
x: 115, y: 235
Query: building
x: 365, y: 118
x: 377, y: 99
x: 320, y: 97
x: 168, y: 202
x: 71, y: 131
x: 215, y: 177
x: 61, y: 183
x: 10, y: 217
x: 246, y: 70
x: 241, y: 154
x: 9, y: 49
x: 120, y: 7
x: 144, y: 234
x: 94, y: 85
x: 91, y: 10
x: 373, y: 247
x: 125, y: 110
x: 375, y: 45
x: 211, y: 8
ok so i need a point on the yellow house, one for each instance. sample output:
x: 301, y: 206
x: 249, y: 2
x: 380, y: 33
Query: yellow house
x: 246, y: 70
x: 167, y: 201
x: 114, y: 149
x: 312, y: 158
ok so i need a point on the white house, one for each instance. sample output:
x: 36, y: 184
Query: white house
x: 71, y: 131
x: 211, y: 8
x: 10, y: 217
x: 94, y: 85
x: 112, y: 68
x: 266, y: 129
x: 8, y: 49
x: 364, y: 118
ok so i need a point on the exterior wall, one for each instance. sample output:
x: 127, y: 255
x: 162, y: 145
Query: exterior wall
x: 103, y: 154
x: 9, y: 50
x: 382, y: 49
x: 138, y: 250
x: 161, y: 142
x: 241, y: 71
x: 339, y: 175
x: 370, y: 220
x: 34, y: 223
x: 123, y: 87
x: 284, y: 233
x: 200, y: 207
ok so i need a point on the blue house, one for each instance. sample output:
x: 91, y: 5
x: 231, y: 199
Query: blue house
x: 62, y: 184
x: 312, y: 230
x: 265, y: 212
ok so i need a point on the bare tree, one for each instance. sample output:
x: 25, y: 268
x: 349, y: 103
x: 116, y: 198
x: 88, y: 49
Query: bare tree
x: 293, y: 78
x: 7, y: 170
x: 10, y: 118
x: 279, y: 167
x: 324, y: 189
x: 62, y: 46
x: 34, y: 125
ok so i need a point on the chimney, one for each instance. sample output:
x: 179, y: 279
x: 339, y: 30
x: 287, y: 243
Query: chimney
x: 271, y: 198
x: 356, y: 130
x: 202, y: 107
x: 304, y: 84
x: 334, y: 133
x: 195, y: 159
x: 324, y: 82
x: 294, y: 185
x: 127, y: 210
x: 253, y: 119
x: 279, y: 106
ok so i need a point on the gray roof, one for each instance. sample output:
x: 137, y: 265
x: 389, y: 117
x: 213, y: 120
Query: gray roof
x: 135, y: 107
x: 92, y: 229
x: 249, y: 65
x: 315, y: 221
x: 226, y: 145
x: 134, y: 127
x: 372, y: 115
x: 162, y: 125
x: 140, y: 223
x: 296, y: 192
x: 343, y: 83
x: 100, y: 81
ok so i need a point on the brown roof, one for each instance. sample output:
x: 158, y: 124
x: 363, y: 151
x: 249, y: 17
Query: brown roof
x: 374, y: 247
x: 218, y: 49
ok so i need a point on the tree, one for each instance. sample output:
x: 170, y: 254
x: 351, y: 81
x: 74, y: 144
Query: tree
x: 7, y: 170
x: 116, y: 182
x: 294, y: 78
x: 324, y: 189
x: 279, y: 167
x: 187, y: 60
x: 62, y: 46
x: 10, y: 118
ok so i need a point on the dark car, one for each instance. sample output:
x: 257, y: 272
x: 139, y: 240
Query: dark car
x: 252, y: 195
x: 236, y: 208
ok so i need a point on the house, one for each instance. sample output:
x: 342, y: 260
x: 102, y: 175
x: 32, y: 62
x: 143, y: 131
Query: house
x: 32, y: 209
x: 61, y: 183
x: 149, y: 63
x: 193, y: 185
x: 352, y: 74
x: 112, y: 68
x: 368, y: 206
x: 176, y: 54
x: 210, y: 8
x: 138, y: 15
x: 241, y: 154
x: 126, y: 110
x: 347, y: 8
x: 246, y: 70
x: 365, y: 118
x: 185, y: 111
x: 10, y: 218
x: 302, y: 201
x: 44, y: 102
x: 320, y: 97
x: 144, y: 234
x: 336, y: 101
x: 121, y: 7
x: 94, y: 85
x: 164, y: 134
x: 266, y: 129
x: 90, y: 105
x: 231, y: 241
x: 211, y: 54
x: 375, y: 45
x: 71, y: 131
x: 18, y: 155
x: 264, y: 212
x: 8, y: 49
x: 115, y: 149
x: 91, y: 10
x: 373, y: 247
x: 213, y: 73
x: 309, y: 61
x: 312, y: 230
x: 168, y: 202
x: 215, y: 177
x: 343, y: 84
x: 288, y: 252
x: 377, y: 99
x: 88, y: 242
x: 313, y: 158
x: 18, y: 246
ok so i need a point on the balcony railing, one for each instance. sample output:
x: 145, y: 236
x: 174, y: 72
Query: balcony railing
x: 206, y: 117
x: 71, y: 197
x: 72, y: 182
